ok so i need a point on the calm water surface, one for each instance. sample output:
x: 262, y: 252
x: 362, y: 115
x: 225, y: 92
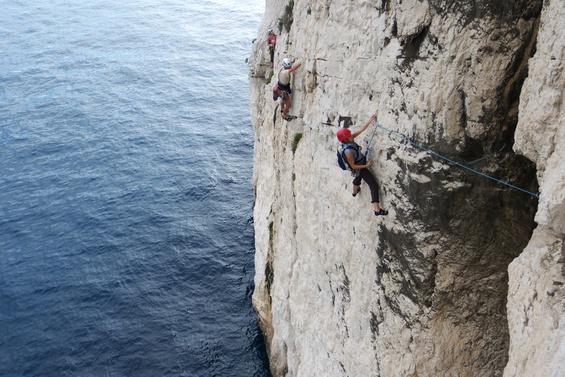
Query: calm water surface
x: 126, y: 146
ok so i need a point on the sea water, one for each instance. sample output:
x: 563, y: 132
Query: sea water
x: 126, y: 146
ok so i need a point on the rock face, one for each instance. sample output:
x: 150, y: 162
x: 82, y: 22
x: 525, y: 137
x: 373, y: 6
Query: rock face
x: 536, y: 295
x: 458, y: 279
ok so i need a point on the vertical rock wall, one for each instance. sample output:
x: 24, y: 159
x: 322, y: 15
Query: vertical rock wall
x: 422, y: 292
x: 536, y: 297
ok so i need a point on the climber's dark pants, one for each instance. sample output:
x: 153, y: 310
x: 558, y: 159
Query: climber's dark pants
x: 367, y: 176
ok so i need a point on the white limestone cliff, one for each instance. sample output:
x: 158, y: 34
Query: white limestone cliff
x: 536, y: 296
x: 427, y: 290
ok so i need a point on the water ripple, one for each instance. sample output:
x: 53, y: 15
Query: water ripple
x: 126, y: 245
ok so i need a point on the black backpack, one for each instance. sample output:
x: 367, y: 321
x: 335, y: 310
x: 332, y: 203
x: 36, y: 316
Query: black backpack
x: 341, y: 159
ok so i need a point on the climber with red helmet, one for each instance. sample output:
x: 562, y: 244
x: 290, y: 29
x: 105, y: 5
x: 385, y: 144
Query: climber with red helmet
x: 284, y: 85
x: 351, y: 153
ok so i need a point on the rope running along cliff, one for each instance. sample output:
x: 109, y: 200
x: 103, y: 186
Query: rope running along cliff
x: 390, y: 132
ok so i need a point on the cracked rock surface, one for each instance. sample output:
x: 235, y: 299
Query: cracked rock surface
x: 464, y: 276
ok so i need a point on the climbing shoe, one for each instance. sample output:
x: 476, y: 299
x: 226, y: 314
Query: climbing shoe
x: 381, y: 212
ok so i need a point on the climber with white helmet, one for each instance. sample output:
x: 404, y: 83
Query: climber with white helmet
x: 271, y: 42
x: 351, y: 153
x: 284, y: 85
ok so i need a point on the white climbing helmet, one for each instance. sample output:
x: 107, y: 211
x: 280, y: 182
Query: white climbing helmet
x: 269, y: 31
x: 286, y: 62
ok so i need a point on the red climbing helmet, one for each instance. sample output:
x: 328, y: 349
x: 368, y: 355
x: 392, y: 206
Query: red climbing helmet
x: 343, y: 134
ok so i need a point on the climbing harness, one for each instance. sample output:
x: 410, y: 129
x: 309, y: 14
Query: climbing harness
x: 390, y: 132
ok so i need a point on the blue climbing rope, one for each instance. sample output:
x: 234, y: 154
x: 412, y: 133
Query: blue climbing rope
x: 455, y: 162
x: 484, y: 158
x: 371, y: 140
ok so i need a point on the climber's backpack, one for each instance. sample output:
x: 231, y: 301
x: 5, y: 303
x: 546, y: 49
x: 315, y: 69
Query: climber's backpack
x: 276, y: 92
x: 341, y: 159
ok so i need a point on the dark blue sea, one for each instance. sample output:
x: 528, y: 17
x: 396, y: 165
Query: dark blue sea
x: 126, y: 149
